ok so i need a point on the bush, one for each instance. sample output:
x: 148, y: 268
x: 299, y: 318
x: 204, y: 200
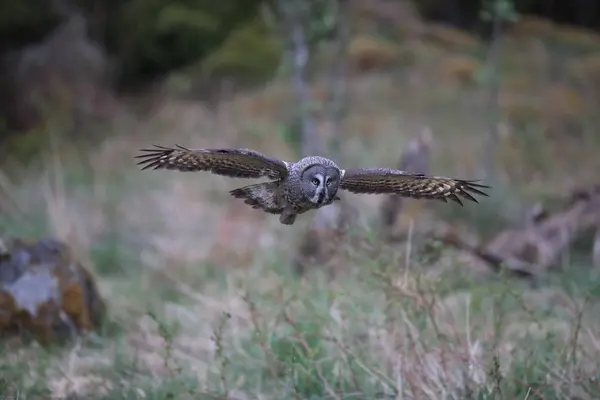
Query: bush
x: 156, y: 36
x: 250, y: 52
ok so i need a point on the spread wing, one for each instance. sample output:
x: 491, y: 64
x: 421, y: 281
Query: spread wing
x: 237, y: 163
x: 417, y: 186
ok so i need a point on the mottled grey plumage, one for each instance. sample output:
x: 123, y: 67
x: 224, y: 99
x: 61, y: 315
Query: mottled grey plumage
x: 308, y: 184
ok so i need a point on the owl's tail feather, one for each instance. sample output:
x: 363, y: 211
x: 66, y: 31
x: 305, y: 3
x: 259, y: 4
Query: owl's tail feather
x: 262, y: 196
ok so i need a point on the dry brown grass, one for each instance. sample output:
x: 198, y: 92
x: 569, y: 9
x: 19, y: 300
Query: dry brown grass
x: 577, y: 37
x: 451, y: 38
x: 556, y: 104
x: 585, y: 69
x: 528, y: 26
x: 371, y: 53
x: 459, y: 70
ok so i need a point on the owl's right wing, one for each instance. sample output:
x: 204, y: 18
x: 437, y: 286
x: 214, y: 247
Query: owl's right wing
x: 236, y: 163
x: 406, y: 184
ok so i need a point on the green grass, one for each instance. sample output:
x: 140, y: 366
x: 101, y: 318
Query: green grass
x: 377, y: 331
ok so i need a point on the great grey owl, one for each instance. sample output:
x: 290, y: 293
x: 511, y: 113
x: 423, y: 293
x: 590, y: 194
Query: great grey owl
x: 308, y: 184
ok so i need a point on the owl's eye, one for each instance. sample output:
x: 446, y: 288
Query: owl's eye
x: 315, y: 182
x: 328, y: 182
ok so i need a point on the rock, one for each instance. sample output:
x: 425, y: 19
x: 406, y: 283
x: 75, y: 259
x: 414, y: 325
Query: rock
x: 44, y: 292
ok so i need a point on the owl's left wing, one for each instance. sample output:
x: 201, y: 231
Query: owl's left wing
x: 406, y: 184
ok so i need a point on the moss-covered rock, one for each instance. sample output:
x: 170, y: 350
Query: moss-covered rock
x: 44, y: 292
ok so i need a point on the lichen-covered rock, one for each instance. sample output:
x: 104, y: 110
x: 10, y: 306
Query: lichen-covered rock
x: 44, y: 292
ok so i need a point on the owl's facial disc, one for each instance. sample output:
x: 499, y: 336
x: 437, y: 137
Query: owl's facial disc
x: 320, y: 188
x: 320, y: 184
x: 332, y: 181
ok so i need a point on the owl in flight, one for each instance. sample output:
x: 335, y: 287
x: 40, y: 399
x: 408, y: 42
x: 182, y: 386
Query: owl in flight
x: 310, y: 183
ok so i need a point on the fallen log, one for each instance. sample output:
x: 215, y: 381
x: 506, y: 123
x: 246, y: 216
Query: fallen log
x: 540, y: 244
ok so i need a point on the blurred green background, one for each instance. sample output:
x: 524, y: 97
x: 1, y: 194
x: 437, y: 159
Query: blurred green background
x: 203, y: 295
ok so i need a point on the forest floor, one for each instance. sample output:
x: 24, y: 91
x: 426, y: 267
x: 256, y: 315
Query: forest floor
x: 203, y: 303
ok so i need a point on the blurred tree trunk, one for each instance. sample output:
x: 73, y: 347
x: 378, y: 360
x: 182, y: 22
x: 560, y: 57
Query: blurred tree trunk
x: 493, y: 102
x: 320, y: 242
x: 294, y: 20
x: 339, y: 96
x: 596, y: 249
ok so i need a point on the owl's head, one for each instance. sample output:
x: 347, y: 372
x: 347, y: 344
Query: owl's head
x: 320, y: 183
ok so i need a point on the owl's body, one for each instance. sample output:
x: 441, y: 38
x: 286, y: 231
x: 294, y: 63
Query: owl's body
x: 308, y: 184
x: 296, y: 193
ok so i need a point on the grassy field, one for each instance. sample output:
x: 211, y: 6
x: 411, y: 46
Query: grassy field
x: 203, y: 303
